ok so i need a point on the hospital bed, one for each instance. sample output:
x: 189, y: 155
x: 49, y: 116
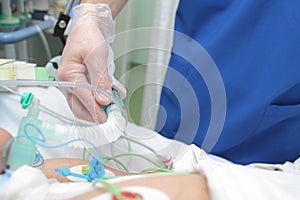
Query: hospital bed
x: 131, y: 148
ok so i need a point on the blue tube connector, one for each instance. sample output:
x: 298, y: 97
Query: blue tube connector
x: 25, y: 33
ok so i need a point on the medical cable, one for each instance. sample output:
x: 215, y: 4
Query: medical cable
x: 53, y: 113
x: 129, y: 149
x: 161, y: 169
x: 115, y: 124
x: 111, y: 130
x: 37, y: 139
x: 139, y: 143
x: 94, y: 163
x: 147, y: 137
x: 57, y: 84
x: 163, y: 158
x: 83, y: 153
x: 62, y: 84
x: 132, y: 154
x: 41, y: 138
x: 107, y: 159
x: 34, y: 139
x: 44, y: 41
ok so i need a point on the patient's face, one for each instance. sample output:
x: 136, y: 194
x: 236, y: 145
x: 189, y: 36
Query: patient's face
x: 4, y: 138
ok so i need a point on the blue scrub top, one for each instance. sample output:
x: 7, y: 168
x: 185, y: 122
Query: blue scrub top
x: 233, y: 82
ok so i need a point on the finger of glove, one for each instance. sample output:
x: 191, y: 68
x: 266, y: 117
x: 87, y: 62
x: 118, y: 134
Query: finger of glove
x: 76, y: 73
x: 84, y: 106
x: 72, y: 69
x: 97, y: 66
x: 78, y: 109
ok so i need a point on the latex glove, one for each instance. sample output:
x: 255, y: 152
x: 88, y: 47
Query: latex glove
x: 87, y: 58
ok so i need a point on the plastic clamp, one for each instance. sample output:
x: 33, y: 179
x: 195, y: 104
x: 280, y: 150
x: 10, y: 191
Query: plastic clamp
x: 26, y: 99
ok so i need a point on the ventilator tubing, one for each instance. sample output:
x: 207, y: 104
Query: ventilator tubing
x: 99, y: 135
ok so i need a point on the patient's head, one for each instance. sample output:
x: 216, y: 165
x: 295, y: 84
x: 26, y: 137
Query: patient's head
x: 4, y: 138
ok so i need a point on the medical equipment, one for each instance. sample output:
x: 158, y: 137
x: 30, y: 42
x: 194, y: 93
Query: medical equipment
x: 15, y: 29
x: 110, y: 131
x: 62, y: 22
x: 96, y: 171
x: 103, y: 134
x: 35, y: 132
x: 42, y: 6
x: 34, y: 129
x: 9, y: 23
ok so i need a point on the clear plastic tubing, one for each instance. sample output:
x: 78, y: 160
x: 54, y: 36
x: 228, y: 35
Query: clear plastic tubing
x: 63, y: 84
x: 102, y: 133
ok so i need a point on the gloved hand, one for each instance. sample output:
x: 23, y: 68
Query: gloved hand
x: 87, y: 58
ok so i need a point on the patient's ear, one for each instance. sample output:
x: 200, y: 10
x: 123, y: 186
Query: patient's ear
x: 4, y: 138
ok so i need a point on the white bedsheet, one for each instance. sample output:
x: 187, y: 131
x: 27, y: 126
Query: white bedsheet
x: 226, y: 180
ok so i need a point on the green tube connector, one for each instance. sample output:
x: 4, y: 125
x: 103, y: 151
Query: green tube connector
x: 9, y: 22
x: 26, y: 99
